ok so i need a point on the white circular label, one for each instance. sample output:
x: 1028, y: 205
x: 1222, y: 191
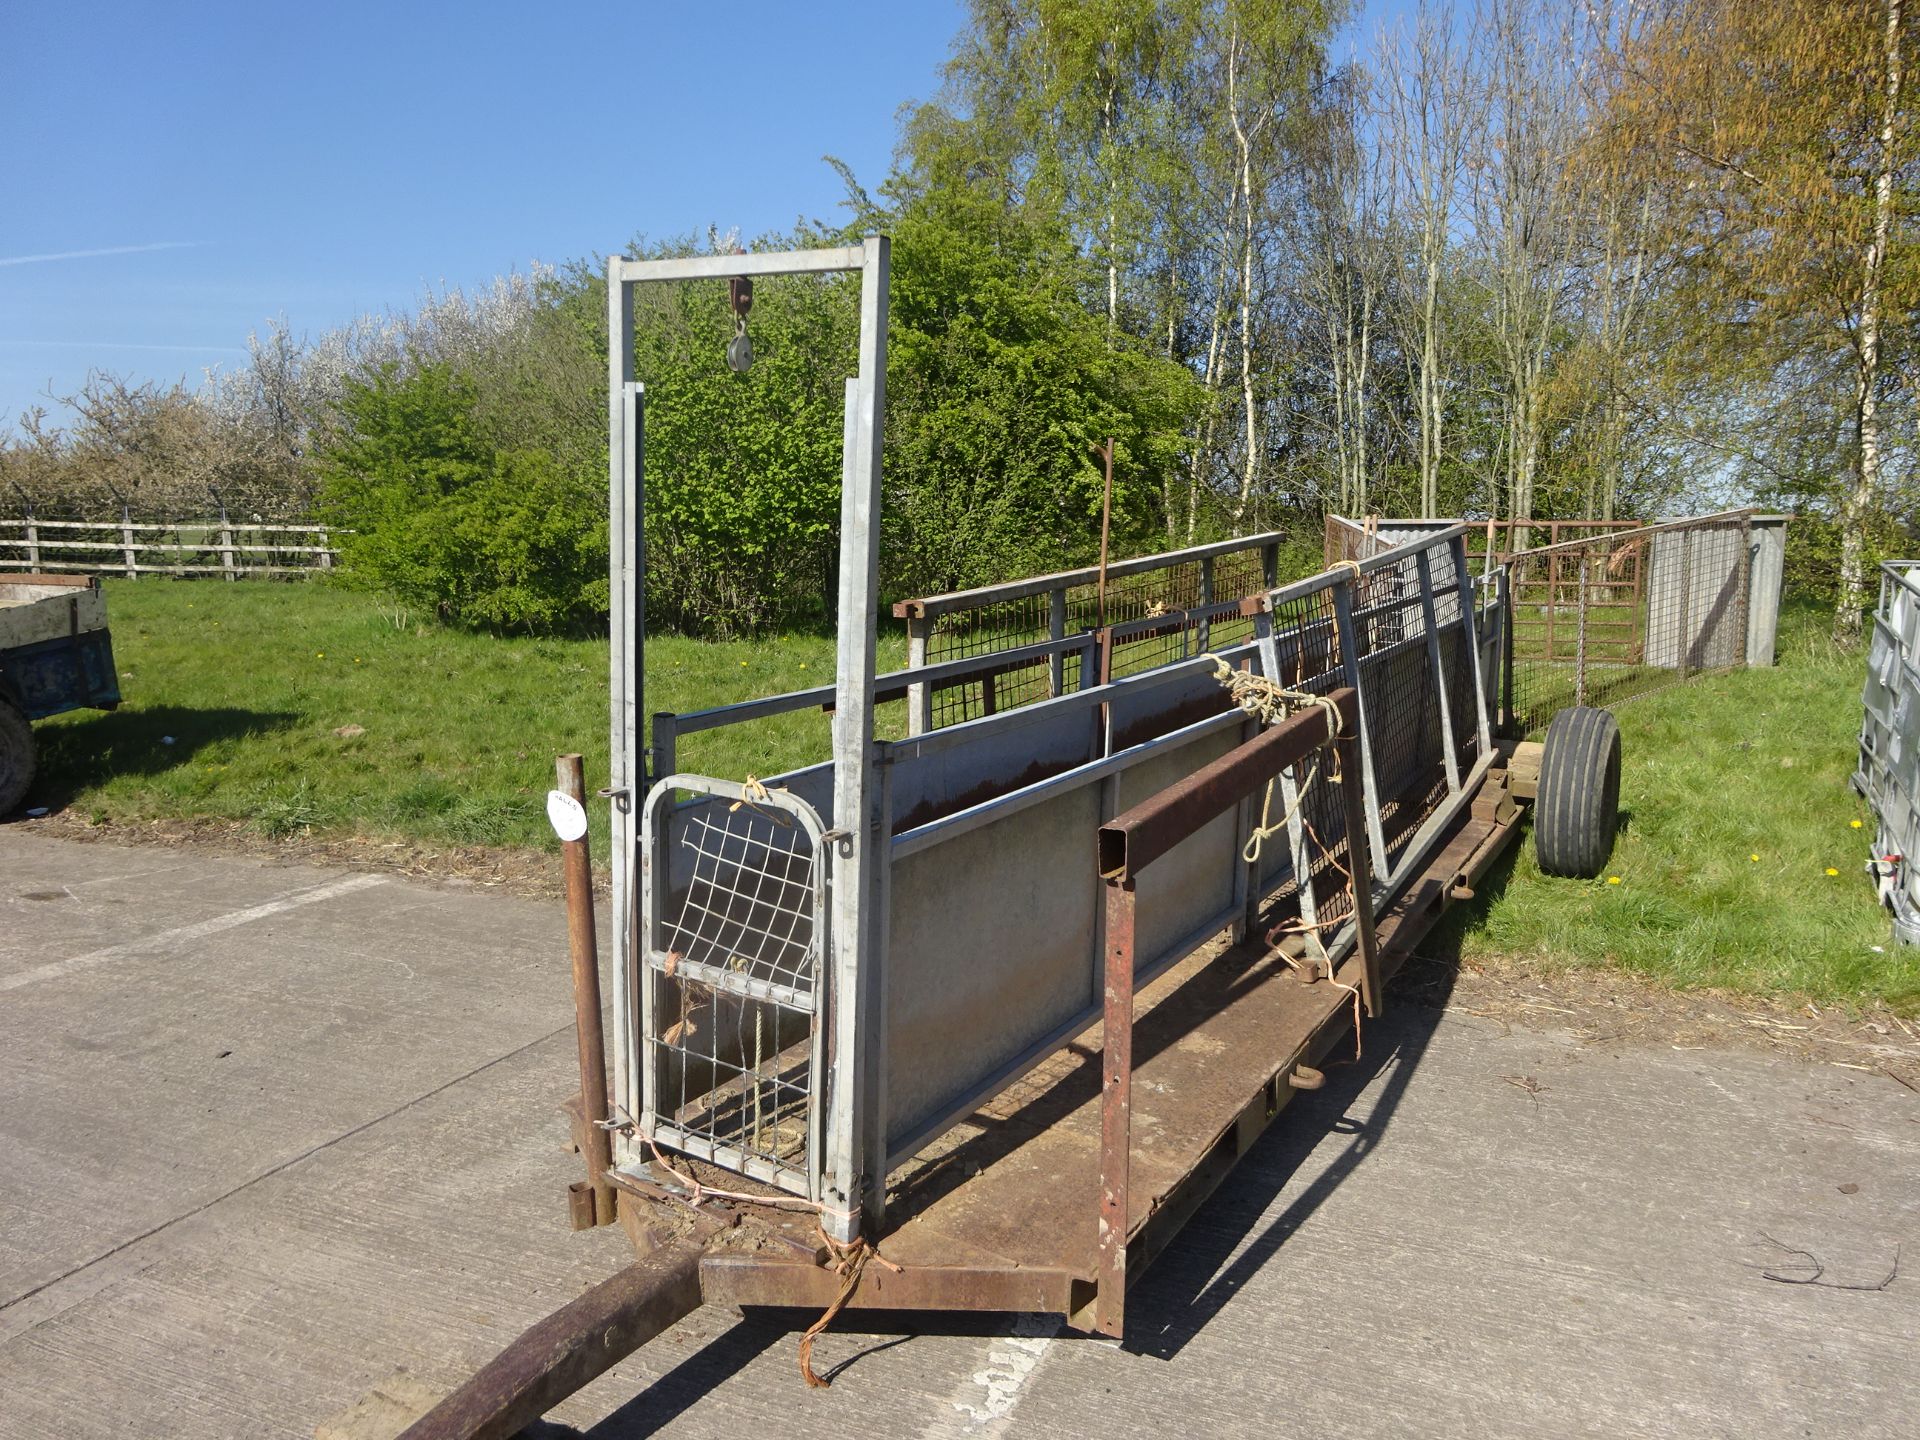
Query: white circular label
x: 567, y: 815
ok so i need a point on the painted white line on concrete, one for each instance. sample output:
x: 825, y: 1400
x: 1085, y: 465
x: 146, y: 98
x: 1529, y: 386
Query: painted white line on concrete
x: 183, y: 934
x: 986, y: 1403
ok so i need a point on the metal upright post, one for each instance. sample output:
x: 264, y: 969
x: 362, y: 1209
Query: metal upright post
x: 1116, y: 1109
x: 919, y: 695
x: 849, y: 1191
x: 1350, y: 656
x: 1580, y: 637
x: 1449, y: 751
x: 1206, y: 599
x: 1470, y: 632
x: 1056, y: 632
x: 626, y: 629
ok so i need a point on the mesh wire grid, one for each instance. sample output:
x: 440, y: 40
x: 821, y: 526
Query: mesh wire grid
x: 1006, y: 624
x: 737, y: 992
x: 1602, y: 620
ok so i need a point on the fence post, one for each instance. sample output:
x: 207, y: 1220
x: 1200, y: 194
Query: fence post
x: 126, y: 541
x: 33, y: 542
x: 226, y: 545
x: 1270, y: 565
x: 326, y: 549
x: 1206, y: 599
x: 919, y: 697
x: 1580, y: 637
x: 1056, y: 632
x: 1553, y: 598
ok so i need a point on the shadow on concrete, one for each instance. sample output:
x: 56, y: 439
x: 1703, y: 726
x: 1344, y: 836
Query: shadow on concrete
x: 1210, y: 1260
x: 677, y: 1391
x: 78, y: 754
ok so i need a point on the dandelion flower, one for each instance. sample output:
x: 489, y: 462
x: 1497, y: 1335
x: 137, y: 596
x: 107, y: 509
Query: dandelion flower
x: 1856, y: 824
x: 1832, y: 871
x: 1753, y: 857
x: 319, y: 654
x: 1613, y: 879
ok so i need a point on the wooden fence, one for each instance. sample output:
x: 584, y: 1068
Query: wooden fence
x: 182, y: 548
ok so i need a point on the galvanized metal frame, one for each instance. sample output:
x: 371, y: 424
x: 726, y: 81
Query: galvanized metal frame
x: 841, y: 1188
x: 652, y: 964
x: 1107, y: 739
x: 995, y: 745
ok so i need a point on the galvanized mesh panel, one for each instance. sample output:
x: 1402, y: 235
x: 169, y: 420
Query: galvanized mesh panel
x: 1620, y: 614
x: 1407, y: 617
x: 1889, y: 772
x: 735, y: 964
x: 994, y: 625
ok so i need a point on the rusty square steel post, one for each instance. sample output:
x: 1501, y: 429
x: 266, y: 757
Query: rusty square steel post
x: 1116, y: 1109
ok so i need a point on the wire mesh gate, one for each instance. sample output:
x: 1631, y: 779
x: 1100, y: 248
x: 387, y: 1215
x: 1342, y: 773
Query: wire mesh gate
x: 734, y: 930
x: 1888, y: 775
x: 1610, y: 617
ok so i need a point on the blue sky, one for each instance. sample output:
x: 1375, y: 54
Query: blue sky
x: 180, y: 174
x: 322, y: 161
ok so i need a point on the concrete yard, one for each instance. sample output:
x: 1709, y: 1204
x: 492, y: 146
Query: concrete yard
x: 270, y: 1133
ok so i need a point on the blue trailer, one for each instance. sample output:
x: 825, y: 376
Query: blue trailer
x: 55, y: 655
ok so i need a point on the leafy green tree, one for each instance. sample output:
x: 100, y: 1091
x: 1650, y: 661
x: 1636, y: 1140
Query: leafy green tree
x: 435, y: 517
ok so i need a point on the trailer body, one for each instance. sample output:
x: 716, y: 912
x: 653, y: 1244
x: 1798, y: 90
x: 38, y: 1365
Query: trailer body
x: 975, y: 1019
x: 55, y: 650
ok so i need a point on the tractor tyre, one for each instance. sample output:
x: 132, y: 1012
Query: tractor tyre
x: 1577, y: 811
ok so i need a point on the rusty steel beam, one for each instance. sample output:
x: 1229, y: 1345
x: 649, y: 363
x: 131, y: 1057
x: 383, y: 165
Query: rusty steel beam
x: 1131, y: 842
x: 595, y: 1144
x: 1116, y: 1108
x: 567, y: 1349
x: 740, y: 1278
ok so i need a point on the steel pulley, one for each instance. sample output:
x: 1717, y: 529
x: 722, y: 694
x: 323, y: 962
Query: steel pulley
x: 740, y: 300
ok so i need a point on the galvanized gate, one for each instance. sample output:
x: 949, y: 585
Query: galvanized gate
x: 1889, y: 770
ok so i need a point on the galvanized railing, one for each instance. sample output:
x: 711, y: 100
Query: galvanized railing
x: 1602, y: 612
x: 1200, y: 586
x: 1889, y: 771
x: 984, y: 944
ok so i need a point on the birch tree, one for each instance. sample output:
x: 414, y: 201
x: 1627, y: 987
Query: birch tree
x: 1783, y: 143
x: 1430, y: 105
x: 1523, y: 198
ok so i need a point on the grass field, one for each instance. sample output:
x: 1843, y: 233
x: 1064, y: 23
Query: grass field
x: 1736, y: 786
x: 236, y: 696
x: 1740, y: 862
